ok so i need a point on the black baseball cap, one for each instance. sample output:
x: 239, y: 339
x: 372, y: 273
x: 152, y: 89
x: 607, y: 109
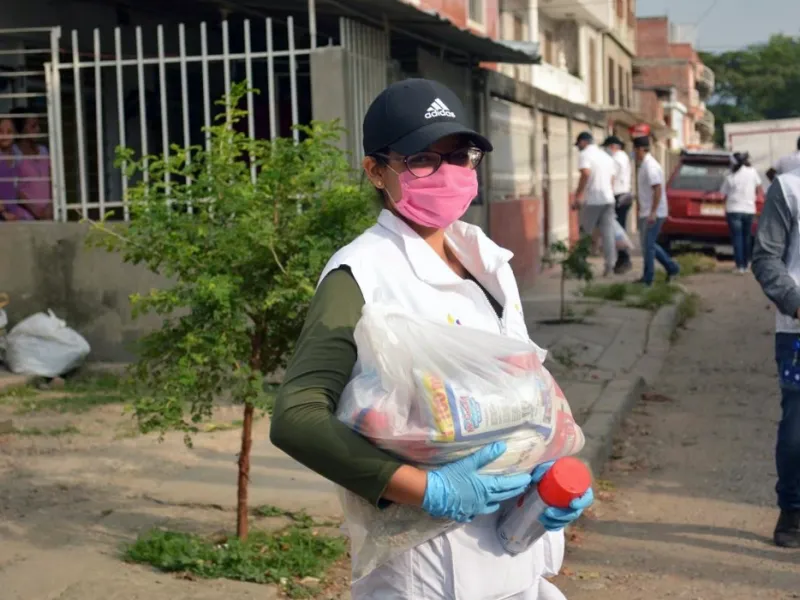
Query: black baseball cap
x: 410, y: 115
x: 613, y: 140
x: 584, y: 136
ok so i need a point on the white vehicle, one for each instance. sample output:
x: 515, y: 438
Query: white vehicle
x: 766, y: 141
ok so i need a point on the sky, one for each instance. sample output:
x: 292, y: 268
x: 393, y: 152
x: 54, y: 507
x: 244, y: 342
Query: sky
x: 728, y: 24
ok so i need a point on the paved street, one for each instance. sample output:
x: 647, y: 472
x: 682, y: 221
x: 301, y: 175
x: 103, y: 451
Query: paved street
x: 687, y: 507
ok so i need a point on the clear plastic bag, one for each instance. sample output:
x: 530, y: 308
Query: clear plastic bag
x: 43, y: 345
x: 431, y: 394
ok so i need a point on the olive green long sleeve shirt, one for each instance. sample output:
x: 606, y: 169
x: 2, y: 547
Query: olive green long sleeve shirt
x: 304, y: 423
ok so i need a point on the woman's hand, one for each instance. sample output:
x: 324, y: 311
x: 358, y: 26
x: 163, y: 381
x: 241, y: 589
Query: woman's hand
x: 554, y: 519
x: 458, y: 492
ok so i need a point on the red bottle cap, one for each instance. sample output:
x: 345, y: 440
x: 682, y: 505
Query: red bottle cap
x: 566, y: 480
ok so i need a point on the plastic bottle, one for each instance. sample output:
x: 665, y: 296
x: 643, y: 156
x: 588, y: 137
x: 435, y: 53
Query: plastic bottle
x: 518, y: 526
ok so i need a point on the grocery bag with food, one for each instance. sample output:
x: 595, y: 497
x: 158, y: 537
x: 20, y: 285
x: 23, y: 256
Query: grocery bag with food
x: 432, y: 393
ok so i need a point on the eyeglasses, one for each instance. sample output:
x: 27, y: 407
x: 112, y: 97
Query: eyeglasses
x: 425, y: 164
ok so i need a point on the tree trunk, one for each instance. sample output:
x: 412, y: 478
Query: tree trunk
x: 562, y: 308
x: 244, y: 472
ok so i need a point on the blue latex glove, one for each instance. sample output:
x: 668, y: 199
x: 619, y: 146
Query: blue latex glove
x: 458, y: 492
x: 554, y: 519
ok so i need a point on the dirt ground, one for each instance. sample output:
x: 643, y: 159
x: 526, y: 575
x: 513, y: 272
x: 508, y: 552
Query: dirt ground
x: 687, y: 502
x: 74, y: 492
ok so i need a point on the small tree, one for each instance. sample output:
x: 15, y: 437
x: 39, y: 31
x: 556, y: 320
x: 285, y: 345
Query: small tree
x: 243, y: 230
x: 574, y: 264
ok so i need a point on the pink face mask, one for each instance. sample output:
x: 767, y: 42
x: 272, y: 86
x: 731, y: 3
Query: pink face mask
x: 438, y: 200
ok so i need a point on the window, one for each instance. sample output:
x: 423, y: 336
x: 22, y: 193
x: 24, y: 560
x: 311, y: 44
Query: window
x: 621, y: 10
x: 476, y: 12
x: 623, y: 93
x: 612, y: 90
x: 548, y: 48
x: 519, y: 28
x: 629, y: 87
x: 592, y: 72
x: 702, y: 177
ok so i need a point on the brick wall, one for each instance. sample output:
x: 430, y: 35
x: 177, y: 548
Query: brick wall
x: 456, y: 11
x: 652, y: 37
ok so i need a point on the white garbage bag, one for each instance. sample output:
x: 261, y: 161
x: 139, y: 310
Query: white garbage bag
x: 432, y: 393
x: 43, y: 345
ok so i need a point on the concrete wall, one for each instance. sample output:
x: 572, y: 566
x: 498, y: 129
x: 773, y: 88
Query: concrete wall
x: 47, y: 265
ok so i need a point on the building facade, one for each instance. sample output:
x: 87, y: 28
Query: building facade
x: 666, y: 60
x: 100, y: 75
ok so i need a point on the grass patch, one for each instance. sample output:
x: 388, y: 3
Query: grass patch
x: 67, y: 403
x: 79, y: 394
x: 694, y: 263
x: 653, y: 297
x: 687, y: 309
x: 284, y: 557
x: 634, y: 295
x: 607, y: 291
x: 565, y: 356
x: 52, y: 432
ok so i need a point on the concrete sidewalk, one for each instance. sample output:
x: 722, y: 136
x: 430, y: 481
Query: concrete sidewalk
x: 603, y: 360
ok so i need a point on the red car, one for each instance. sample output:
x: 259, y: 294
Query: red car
x: 696, y: 208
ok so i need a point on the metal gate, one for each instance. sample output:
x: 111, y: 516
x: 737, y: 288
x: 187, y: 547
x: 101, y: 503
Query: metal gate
x: 150, y: 89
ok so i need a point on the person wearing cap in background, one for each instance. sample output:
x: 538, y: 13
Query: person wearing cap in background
x: 740, y: 189
x: 595, y: 196
x: 653, y: 211
x: 422, y: 159
x: 785, y: 164
x: 622, y: 194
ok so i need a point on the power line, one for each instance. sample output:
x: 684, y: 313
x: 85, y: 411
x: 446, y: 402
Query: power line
x: 707, y: 12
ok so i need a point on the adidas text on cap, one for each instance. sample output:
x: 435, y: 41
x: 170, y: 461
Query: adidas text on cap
x: 410, y: 115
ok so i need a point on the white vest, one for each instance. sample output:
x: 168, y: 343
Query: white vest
x: 391, y: 263
x: 790, y: 183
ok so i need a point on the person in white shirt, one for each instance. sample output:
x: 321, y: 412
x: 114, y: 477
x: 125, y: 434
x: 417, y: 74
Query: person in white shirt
x: 623, y: 199
x: 785, y: 164
x: 740, y: 190
x: 653, y: 211
x: 595, y: 196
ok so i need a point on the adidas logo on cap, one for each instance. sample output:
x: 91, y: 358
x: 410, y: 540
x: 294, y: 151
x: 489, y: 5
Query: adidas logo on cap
x: 439, y: 109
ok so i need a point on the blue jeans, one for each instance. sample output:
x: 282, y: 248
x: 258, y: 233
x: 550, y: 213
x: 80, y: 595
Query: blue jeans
x: 740, y: 225
x: 787, y: 452
x: 651, y: 251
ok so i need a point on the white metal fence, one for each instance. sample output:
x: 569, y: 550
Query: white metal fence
x: 149, y: 89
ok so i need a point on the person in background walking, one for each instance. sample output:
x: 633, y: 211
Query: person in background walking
x: 785, y: 164
x: 740, y: 190
x: 595, y: 196
x: 33, y: 158
x: 776, y: 265
x: 652, y: 212
x: 622, y: 194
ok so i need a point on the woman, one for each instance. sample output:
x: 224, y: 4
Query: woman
x: 422, y: 160
x: 10, y: 210
x: 740, y: 189
x: 34, y: 188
